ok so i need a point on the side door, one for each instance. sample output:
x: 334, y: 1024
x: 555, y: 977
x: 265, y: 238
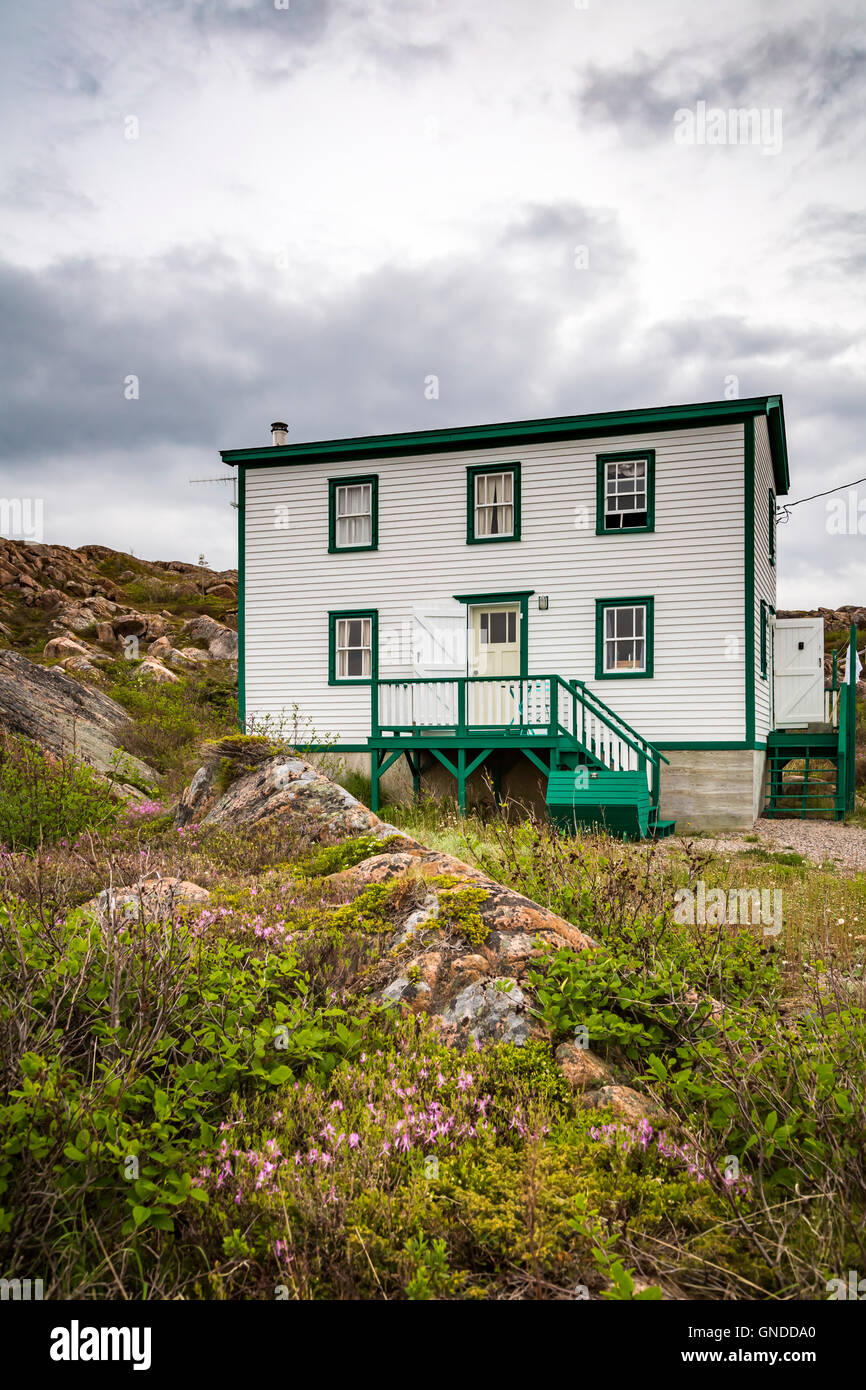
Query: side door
x: 798, y: 672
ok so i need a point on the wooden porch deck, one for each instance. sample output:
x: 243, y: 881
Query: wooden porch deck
x: 459, y: 721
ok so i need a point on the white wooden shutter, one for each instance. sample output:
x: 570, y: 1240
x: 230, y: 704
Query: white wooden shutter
x: 439, y: 639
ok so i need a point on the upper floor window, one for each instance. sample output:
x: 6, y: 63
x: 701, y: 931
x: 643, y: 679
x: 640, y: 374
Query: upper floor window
x: 493, y: 503
x: 353, y: 519
x: 625, y: 491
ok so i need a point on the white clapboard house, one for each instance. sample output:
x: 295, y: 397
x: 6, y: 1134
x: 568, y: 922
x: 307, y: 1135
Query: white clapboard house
x: 582, y: 605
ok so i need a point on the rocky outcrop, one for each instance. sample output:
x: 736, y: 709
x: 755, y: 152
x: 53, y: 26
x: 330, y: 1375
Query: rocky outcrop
x: 79, y: 599
x: 65, y: 716
x: 460, y: 945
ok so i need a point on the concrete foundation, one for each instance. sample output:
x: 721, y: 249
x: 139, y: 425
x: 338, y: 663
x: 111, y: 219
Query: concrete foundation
x: 713, y: 789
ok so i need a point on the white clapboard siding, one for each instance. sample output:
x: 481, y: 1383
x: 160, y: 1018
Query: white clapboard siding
x: 692, y: 565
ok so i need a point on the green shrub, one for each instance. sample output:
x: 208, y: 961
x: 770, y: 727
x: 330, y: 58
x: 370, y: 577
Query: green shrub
x: 44, y: 799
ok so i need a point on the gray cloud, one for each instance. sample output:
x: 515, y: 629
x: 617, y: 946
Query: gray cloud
x: 815, y: 72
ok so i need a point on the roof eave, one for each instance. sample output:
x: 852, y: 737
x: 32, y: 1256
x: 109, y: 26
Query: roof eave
x: 518, y: 432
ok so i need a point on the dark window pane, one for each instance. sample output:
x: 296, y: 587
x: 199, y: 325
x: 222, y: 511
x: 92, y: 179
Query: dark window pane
x: 512, y: 627
x: 354, y: 633
x: 498, y: 627
x: 355, y: 663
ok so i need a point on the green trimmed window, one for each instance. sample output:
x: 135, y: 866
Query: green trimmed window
x: 771, y: 525
x: 353, y: 644
x: 765, y: 624
x: 493, y: 503
x: 624, y: 638
x: 353, y: 513
x: 625, y: 491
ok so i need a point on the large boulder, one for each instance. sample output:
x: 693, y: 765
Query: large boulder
x: 309, y: 804
x: 65, y: 717
x: 153, y: 670
x: 67, y: 645
x: 150, y: 898
x: 221, y: 641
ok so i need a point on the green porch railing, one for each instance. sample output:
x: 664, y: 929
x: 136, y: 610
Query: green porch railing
x: 507, y: 710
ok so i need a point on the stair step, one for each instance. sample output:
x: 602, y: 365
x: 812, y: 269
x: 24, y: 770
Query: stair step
x: 662, y: 829
x: 616, y: 802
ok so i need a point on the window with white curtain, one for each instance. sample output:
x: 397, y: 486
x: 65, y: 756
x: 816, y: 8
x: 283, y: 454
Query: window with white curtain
x: 494, y: 505
x: 354, y: 515
x: 354, y: 648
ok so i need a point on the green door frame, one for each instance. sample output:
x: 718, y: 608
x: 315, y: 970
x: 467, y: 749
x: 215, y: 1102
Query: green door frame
x: 519, y: 596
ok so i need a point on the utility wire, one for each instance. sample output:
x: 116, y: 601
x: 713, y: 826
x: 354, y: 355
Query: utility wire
x: 783, y: 508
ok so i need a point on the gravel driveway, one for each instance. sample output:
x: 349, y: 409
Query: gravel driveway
x: 818, y: 841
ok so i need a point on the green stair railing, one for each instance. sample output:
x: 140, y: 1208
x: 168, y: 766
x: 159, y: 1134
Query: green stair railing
x: 506, y: 710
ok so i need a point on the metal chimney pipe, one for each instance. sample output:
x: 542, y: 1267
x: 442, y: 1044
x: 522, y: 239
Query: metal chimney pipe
x: 279, y: 433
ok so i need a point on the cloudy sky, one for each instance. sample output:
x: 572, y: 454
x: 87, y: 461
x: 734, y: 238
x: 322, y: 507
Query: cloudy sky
x: 301, y: 209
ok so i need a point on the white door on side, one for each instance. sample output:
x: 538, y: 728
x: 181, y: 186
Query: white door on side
x: 798, y: 675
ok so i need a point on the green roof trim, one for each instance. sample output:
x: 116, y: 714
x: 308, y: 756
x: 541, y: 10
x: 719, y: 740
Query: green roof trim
x: 517, y: 432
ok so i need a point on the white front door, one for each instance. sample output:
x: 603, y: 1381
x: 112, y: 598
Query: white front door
x: 494, y: 650
x: 798, y: 672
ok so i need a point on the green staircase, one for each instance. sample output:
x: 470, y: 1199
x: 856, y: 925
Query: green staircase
x: 601, y: 773
x: 594, y: 789
x: 810, y: 773
x: 803, y: 779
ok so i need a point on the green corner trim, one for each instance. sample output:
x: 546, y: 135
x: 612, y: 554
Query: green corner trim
x: 475, y: 471
x: 749, y: 571
x: 242, y: 558
x: 765, y: 616
x: 625, y: 456
x: 771, y: 525
x: 521, y: 596
x: 648, y: 603
x: 333, y: 618
x: 333, y: 485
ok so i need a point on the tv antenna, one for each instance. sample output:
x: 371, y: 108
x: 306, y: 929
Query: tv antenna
x: 231, y: 479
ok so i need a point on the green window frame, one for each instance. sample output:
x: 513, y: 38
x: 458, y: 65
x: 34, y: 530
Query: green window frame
x: 480, y: 496
x: 771, y: 526
x: 765, y: 623
x: 340, y: 633
x: 336, y: 515
x: 625, y: 631
x: 627, y: 485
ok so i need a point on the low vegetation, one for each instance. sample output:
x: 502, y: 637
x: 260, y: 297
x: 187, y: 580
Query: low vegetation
x: 207, y: 1100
